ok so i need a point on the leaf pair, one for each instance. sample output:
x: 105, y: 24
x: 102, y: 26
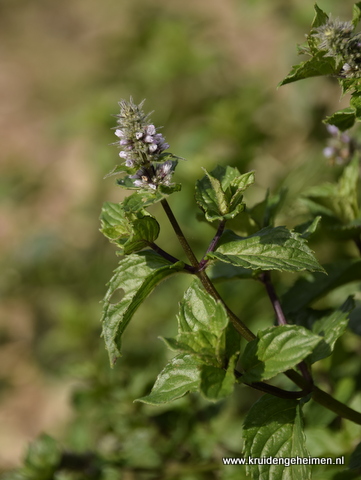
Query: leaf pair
x: 220, y: 192
x: 207, y: 347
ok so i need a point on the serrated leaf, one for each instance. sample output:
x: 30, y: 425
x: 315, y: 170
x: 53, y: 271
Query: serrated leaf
x: 145, y: 231
x: 269, y: 249
x: 275, y: 350
x: 314, y: 67
x: 330, y: 328
x: 181, y: 376
x: 343, y: 119
x: 114, y: 223
x: 349, y: 84
x: 320, y: 17
x: 130, y: 231
x: 313, y: 286
x: 356, y: 14
x: 217, y: 383
x: 219, y: 193
x: 203, y: 328
x: 136, y: 277
x: 274, y: 428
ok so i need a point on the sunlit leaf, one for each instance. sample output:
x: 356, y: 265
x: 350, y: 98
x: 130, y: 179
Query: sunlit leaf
x: 135, y: 278
x: 343, y: 119
x: 269, y: 249
x: 219, y: 193
x: 275, y: 350
x: 180, y: 376
x: 318, y: 65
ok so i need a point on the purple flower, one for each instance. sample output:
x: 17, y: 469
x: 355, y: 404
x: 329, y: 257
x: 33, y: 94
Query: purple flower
x: 138, y: 138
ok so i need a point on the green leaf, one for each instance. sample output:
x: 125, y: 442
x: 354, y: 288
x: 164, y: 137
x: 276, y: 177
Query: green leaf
x: 144, y: 198
x: 342, y: 119
x: 131, y: 231
x: 315, y: 66
x: 356, y: 103
x: 136, y: 277
x: 330, y: 328
x: 308, y: 229
x: 348, y: 191
x: 275, y: 350
x: 274, y: 428
x: 356, y: 14
x: 114, y: 222
x: 264, y: 212
x: 219, y: 193
x: 204, y: 332
x: 203, y: 328
x: 217, y: 383
x: 151, y: 196
x: 145, y: 230
x: 120, y: 169
x: 339, y: 201
x: 269, y: 249
x: 313, y: 286
x: 320, y: 17
x: 224, y: 271
x: 181, y: 376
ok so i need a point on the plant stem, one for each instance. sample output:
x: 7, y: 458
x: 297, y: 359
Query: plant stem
x: 206, y: 282
x: 169, y: 257
x: 178, y: 231
x: 237, y: 322
x: 325, y: 399
x: 265, y: 278
x: 212, y: 245
x: 305, y: 384
x: 272, y: 390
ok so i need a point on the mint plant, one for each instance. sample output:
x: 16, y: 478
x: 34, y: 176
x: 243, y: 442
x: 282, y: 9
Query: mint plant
x: 215, y: 350
x: 208, y: 357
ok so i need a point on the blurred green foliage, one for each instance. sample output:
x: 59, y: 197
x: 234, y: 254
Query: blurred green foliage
x: 209, y: 70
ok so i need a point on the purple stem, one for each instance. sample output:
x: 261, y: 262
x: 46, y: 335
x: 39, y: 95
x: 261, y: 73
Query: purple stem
x: 212, y: 245
x: 169, y: 257
x: 265, y: 278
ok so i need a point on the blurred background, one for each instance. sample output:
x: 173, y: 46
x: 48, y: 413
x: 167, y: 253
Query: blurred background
x: 209, y: 69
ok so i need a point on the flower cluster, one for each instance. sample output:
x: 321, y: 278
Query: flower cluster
x: 338, y: 40
x: 142, y: 147
x: 340, y: 147
x: 154, y: 175
x: 333, y: 36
